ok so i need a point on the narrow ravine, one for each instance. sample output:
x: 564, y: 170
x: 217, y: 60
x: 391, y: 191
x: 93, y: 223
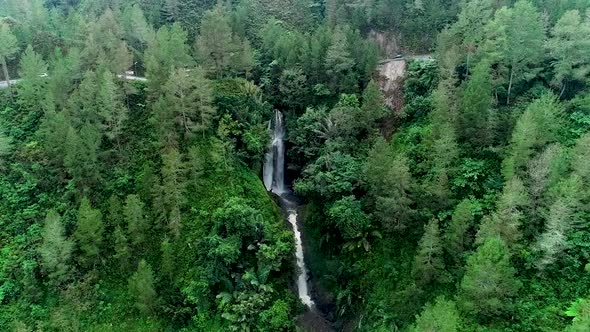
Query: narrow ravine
x: 274, y: 180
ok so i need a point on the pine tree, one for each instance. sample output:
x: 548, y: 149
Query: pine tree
x: 506, y: 222
x: 475, y: 108
x: 568, y: 45
x: 457, y: 238
x: 33, y: 84
x: 172, y: 192
x: 470, y: 26
x: 489, y: 283
x: 519, y: 37
x: 54, y: 129
x: 56, y: 249
x: 137, y: 223
x: 429, y: 265
x: 81, y: 156
x: 167, y: 51
x: 554, y: 239
x: 339, y: 62
x: 112, y: 110
x: 189, y: 100
x: 543, y: 172
x: 142, y: 288
x: 219, y: 49
x: 167, y: 258
x: 580, y: 158
x: 88, y: 234
x: 122, y: 252
x: 389, y: 180
x: 63, y: 74
x: 8, y: 48
x: 440, y: 316
x: 537, y: 126
x: 373, y: 106
x: 196, y: 166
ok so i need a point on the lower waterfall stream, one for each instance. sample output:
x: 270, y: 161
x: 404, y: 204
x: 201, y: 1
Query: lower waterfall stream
x: 274, y: 180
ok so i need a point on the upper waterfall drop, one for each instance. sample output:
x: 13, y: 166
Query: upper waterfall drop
x: 274, y: 164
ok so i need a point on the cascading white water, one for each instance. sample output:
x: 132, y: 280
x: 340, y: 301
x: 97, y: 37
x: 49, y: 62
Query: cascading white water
x: 274, y: 181
x: 268, y: 167
x: 302, y: 274
x: 274, y: 164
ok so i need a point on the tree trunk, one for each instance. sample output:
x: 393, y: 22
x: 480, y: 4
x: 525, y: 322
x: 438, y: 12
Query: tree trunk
x: 510, y: 86
x: 467, y: 65
x: 562, y: 89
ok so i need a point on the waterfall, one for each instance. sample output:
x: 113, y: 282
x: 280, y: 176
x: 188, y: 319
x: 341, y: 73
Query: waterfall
x: 267, y: 170
x: 274, y: 181
x: 302, y: 274
x: 274, y: 164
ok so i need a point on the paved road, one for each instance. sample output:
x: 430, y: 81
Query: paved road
x: 3, y: 84
x: 407, y: 58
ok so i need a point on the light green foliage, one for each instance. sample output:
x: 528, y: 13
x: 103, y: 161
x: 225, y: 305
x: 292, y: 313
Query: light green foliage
x: 32, y: 88
x: 137, y: 223
x: 390, y: 181
x: 470, y: 26
x: 89, y: 234
x: 63, y: 70
x: 122, y: 252
x: 506, y: 222
x: 581, y: 155
x: 569, y: 45
x: 538, y: 125
x: 167, y: 51
x: 580, y: 311
x: 457, y: 237
x: 553, y: 240
x: 339, y: 61
x: 218, y: 48
x: 489, y: 283
x: 293, y: 88
x: 348, y: 216
x: 429, y: 266
x: 440, y: 316
x: 475, y: 125
x: 137, y: 30
x: 112, y: 110
x: 172, y: 191
x: 517, y: 36
x: 55, y: 250
x: 141, y: 288
x: 81, y: 155
x: 332, y: 175
x: 373, y: 106
x: 188, y: 101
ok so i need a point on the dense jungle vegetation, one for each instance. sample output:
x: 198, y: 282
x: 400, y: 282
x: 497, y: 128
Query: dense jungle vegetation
x: 131, y: 204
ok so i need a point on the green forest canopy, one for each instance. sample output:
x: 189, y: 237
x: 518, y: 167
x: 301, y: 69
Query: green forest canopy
x: 137, y: 205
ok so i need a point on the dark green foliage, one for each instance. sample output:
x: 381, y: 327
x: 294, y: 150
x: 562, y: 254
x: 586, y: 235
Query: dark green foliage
x: 475, y: 202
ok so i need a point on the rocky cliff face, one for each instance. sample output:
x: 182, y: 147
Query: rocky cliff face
x: 391, y: 76
x: 388, y: 42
